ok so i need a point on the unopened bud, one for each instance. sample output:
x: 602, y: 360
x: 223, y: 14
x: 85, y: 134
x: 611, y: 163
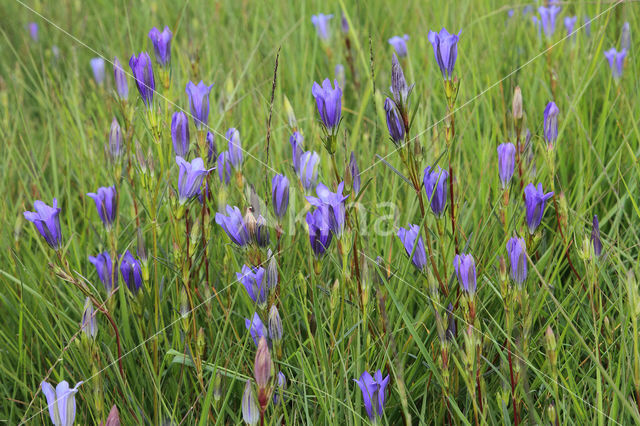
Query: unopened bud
x: 291, y: 116
x: 275, y: 325
x: 200, y: 342
x: 272, y: 271
x: 262, y: 232
x: 551, y: 413
x: 217, y: 387
x: 250, y: 409
x: 262, y: 365
x: 184, y: 309
x: 550, y: 339
x: 251, y: 224
x: 113, y: 419
x: 281, y: 386
x: 517, y: 104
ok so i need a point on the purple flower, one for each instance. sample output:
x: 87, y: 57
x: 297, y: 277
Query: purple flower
x: 280, y: 195
x: 190, y: 178
x: 131, y: 272
x: 255, y: 283
x: 161, y: 44
x: 551, y: 112
x: 281, y: 386
x: 180, y: 133
x: 412, y: 242
x: 235, y: 148
x: 616, y: 61
x: 114, y: 149
x: 234, y: 225
x: 224, y: 167
x: 142, y: 70
x: 329, y: 102
x: 256, y: 328
x: 355, y: 173
x: 308, y: 171
x: 97, y: 66
x: 535, y: 200
x: 121, y: 79
x: 625, y: 37
x: 445, y: 49
x: 506, y: 162
x: 102, y: 262
x: 47, y: 222
x: 373, y: 393
x: 344, y: 23
x: 333, y: 203
x: 465, y: 268
x: 399, y: 44
x: 537, y: 23
x: 212, y: 152
x: 250, y: 409
x: 61, y: 402
x: 88, y: 324
x: 296, y: 147
x: 570, y: 23
x: 106, y: 199
x: 321, y: 22
x: 548, y: 17
x: 394, y: 122
x: 435, y: 186
x: 517, y: 250
x: 33, y: 31
x: 199, y: 103
x: 319, y: 232
x: 595, y: 236
x: 400, y: 90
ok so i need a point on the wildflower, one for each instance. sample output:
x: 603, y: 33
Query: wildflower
x: 625, y: 37
x: 180, y: 133
x: 143, y: 74
x: 319, y: 232
x: 516, y: 107
x: 570, y: 23
x: 355, y: 173
x: 373, y: 393
x: 255, y: 283
x: 595, y: 236
x: 97, y: 66
x: 517, y: 250
x: 333, y: 202
x: 261, y: 236
x: 281, y: 386
x: 399, y: 44
x: 256, y: 328
x: 308, y: 170
x: 616, y: 61
x: 548, y: 17
x: 394, y: 122
x: 344, y: 24
x: 61, y: 402
x: 190, y: 178
x: 400, y: 90
x: 537, y: 23
x: 199, y: 103
x: 340, y: 75
x: 280, y: 195
x: 262, y: 364
x: 89, y: 324
x: 212, y: 152
x: 329, y: 102
x: 272, y: 270
x: 535, y: 200
x: 250, y: 409
x: 120, y: 78
x: 114, y: 148
x: 435, y: 186
x: 234, y: 226
x: 275, y: 324
x: 321, y: 22
x: 445, y: 49
x: 33, y: 31
x: 465, y: 267
x: 296, y: 148
x: 224, y: 167
x: 161, y: 44
x: 106, y: 200
x: 103, y: 264
x: 551, y: 112
x: 506, y: 162
x: 450, y: 333
x: 131, y: 272
x: 235, y: 148
x: 47, y: 222
x: 412, y: 242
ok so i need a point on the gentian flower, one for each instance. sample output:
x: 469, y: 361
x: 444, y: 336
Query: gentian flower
x: 114, y: 148
x: 373, y: 393
x: 97, y: 66
x: 329, y: 102
x: 224, y: 167
x: 616, y: 61
x: 275, y: 324
x: 450, y: 333
x: 535, y: 200
x: 102, y: 262
x: 33, y: 31
x: 180, y: 133
x: 296, y: 147
x: 308, y: 171
x: 261, y: 236
x: 570, y: 23
x: 255, y: 283
x: 410, y: 239
x: 122, y: 87
x: 262, y: 367
x: 344, y: 24
x: 355, y: 173
x: 340, y: 75
x: 399, y: 44
x: 190, y: 178
x: 234, y: 226
x: 281, y: 386
x: 47, y: 222
x: 256, y: 328
x: 143, y: 74
x: 89, y: 324
x: 272, y: 270
x: 161, y: 44
x: 333, y: 202
x: 321, y: 22
x: 506, y: 162
x: 517, y: 250
x: 394, y: 122
x: 400, y: 90
x: 106, y: 200
x: 537, y: 23
x: 551, y: 112
x: 212, y: 152
x: 280, y: 195
x: 465, y: 268
x: 595, y: 236
x: 319, y: 232
x: 435, y: 186
x: 199, y: 103
x: 131, y: 272
x: 445, y: 49
x: 250, y: 409
x: 548, y: 17
x: 625, y: 37
x: 235, y: 148
x: 61, y: 402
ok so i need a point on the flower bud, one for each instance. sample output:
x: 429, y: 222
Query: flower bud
x: 251, y: 224
x: 184, y: 309
x: 250, y: 409
x: 550, y: 340
x: 517, y: 104
x: 272, y: 271
x: 200, y: 342
x: 217, y: 387
x: 262, y: 365
x: 275, y: 325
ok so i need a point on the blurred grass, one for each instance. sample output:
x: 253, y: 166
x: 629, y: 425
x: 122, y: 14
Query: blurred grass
x: 54, y: 126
